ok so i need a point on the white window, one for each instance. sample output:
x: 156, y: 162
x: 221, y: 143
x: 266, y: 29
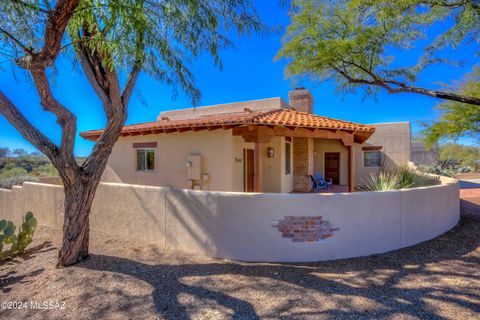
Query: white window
x: 145, y: 159
x: 372, y: 158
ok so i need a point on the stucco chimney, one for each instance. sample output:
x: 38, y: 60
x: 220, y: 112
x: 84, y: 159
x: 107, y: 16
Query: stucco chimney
x: 301, y: 100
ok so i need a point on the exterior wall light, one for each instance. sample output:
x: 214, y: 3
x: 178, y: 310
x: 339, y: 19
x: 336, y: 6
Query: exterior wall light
x: 270, y: 152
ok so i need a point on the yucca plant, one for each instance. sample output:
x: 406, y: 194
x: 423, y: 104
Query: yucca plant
x: 381, y: 181
x: 403, y: 177
x: 408, y: 177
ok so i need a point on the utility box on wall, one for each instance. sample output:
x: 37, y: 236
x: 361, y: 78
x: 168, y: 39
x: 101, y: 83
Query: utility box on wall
x: 194, y: 167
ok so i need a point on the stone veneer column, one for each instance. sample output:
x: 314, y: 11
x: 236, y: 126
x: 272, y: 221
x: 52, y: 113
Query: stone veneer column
x: 302, y: 164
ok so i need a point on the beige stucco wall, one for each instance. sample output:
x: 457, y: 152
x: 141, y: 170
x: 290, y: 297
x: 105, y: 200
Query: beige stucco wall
x: 395, y: 139
x: 222, y: 160
x: 215, y: 147
x: 240, y: 225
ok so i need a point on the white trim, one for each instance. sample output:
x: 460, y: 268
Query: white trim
x: 154, y: 159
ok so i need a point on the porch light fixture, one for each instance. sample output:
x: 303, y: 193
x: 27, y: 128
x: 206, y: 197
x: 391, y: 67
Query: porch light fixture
x: 270, y: 152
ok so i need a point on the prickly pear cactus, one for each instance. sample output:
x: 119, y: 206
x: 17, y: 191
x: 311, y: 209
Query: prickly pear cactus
x: 18, y: 242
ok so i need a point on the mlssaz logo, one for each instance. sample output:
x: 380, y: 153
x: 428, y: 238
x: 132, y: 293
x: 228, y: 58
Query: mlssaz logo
x: 305, y: 229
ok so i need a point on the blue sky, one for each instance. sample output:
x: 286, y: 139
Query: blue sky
x: 249, y: 73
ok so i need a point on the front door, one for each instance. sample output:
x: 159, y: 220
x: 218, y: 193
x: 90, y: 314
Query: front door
x: 332, y: 166
x: 248, y: 171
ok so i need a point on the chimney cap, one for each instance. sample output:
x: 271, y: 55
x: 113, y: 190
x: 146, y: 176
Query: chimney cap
x: 299, y: 88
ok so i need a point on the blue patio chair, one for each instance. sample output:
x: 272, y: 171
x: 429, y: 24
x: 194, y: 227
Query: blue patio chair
x: 318, y: 185
x: 322, y: 181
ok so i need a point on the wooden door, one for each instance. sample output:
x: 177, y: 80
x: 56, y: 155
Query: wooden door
x: 332, y: 166
x: 248, y: 170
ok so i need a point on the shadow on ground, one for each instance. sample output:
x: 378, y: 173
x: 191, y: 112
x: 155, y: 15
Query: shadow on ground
x: 403, y: 282
x: 12, y: 277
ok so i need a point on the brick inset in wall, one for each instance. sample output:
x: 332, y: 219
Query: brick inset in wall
x: 305, y: 229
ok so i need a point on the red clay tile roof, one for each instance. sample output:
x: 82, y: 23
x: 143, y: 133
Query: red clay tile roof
x: 281, y: 117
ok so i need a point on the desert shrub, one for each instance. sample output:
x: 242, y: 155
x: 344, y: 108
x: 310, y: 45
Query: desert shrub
x: 13, y: 172
x: 26, y: 165
x: 16, y: 181
x: 411, y: 177
x: 381, y: 181
x: 18, y: 242
x: 437, y: 169
x: 401, y: 178
x: 47, y: 170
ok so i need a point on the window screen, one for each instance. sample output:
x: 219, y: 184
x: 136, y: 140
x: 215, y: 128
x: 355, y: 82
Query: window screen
x: 145, y: 159
x: 371, y: 158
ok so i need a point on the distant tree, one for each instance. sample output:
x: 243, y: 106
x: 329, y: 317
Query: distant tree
x: 19, y: 152
x: 36, y: 154
x: 4, y: 152
x: 458, y: 119
x: 466, y: 155
x: 354, y: 43
x: 112, y: 40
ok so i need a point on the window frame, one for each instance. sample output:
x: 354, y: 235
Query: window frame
x: 379, y: 159
x: 146, y: 150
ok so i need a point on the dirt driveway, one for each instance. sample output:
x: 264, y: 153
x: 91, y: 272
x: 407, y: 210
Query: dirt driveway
x: 123, y: 279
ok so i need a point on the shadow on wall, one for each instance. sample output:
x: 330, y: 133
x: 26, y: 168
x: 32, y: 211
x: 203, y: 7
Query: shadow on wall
x: 385, y: 285
x: 191, y: 217
x: 386, y: 164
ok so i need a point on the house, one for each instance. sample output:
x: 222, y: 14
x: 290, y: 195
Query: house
x: 264, y: 145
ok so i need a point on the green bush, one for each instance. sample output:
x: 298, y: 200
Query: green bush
x: 18, y: 242
x: 13, y: 172
x: 401, y: 178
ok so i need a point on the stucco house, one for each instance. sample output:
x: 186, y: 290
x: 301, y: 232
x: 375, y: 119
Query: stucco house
x: 264, y: 145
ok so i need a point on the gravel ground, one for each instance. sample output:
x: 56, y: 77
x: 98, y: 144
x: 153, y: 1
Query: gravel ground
x: 439, y: 279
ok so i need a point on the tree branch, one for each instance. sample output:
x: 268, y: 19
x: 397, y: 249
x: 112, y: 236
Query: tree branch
x: 26, y: 129
x: 404, y: 88
x: 105, y: 82
x: 93, y: 73
x: 137, y: 67
x: 65, y: 118
x: 18, y: 42
x: 56, y: 24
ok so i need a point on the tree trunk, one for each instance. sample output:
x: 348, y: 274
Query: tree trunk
x: 78, y: 202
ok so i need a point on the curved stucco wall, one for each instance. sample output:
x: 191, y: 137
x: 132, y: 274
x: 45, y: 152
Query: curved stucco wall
x: 256, y: 227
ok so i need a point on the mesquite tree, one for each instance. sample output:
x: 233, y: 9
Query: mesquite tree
x: 111, y: 40
x: 354, y: 43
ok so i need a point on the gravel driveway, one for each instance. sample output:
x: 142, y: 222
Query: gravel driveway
x: 124, y: 279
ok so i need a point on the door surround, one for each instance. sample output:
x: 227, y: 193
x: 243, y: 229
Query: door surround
x: 337, y: 181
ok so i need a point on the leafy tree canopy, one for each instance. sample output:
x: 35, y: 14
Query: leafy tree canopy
x: 165, y: 36
x: 458, y: 119
x: 354, y: 42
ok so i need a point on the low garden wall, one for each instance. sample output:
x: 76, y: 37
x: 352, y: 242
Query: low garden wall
x: 254, y: 227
